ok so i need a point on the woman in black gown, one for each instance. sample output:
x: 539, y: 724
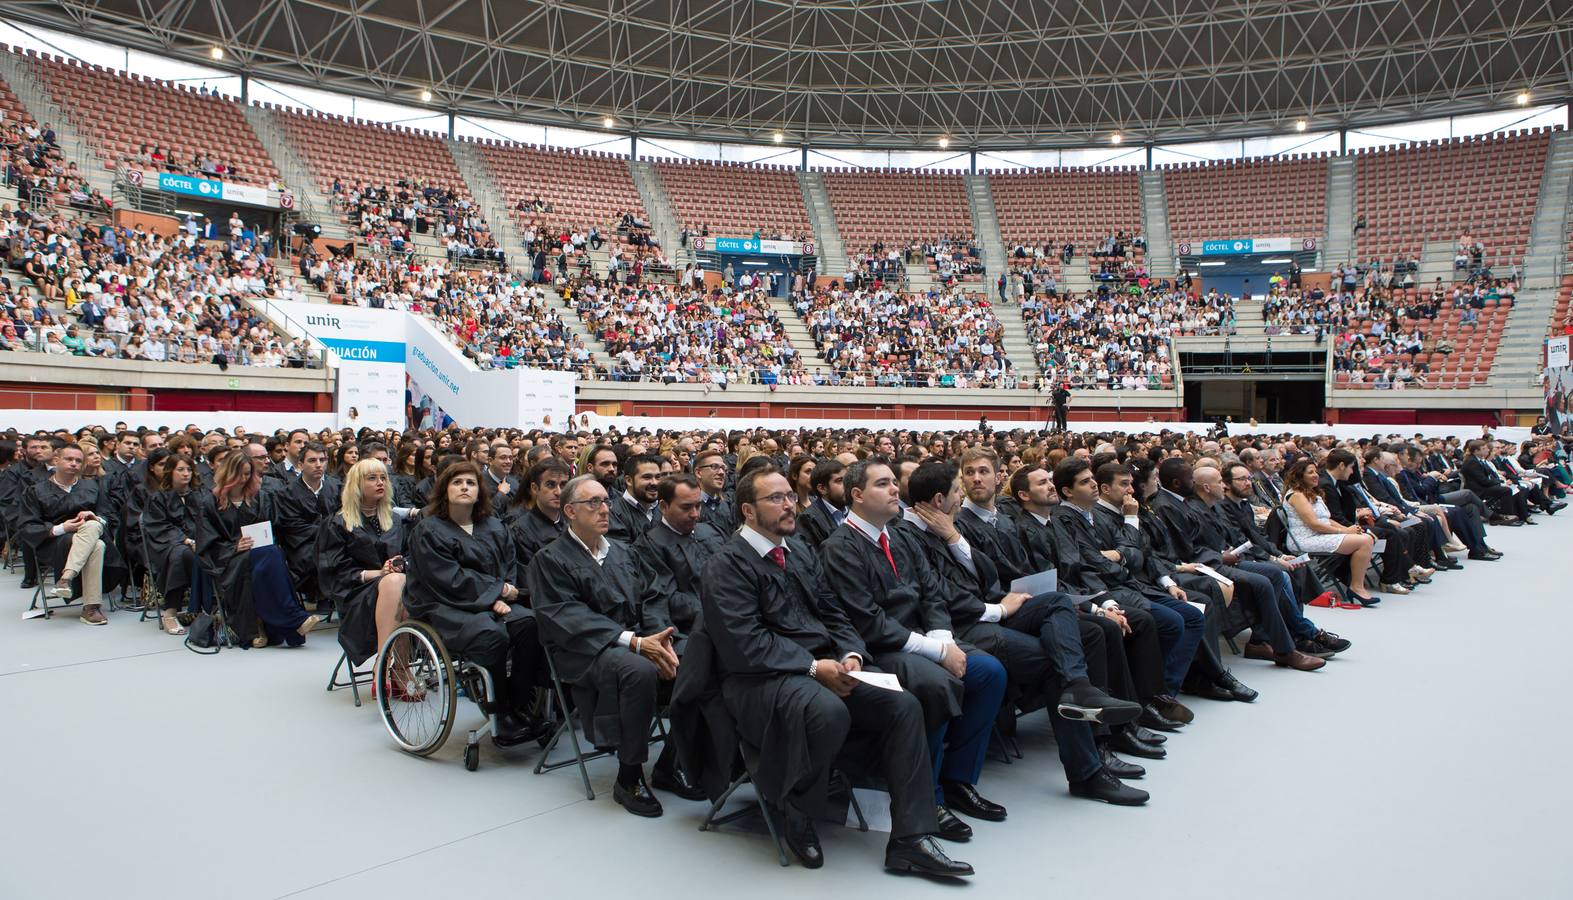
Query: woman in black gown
x: 460, y: 560
x: 169, y: 528
x: 137, y: 485
x: 360, y: 560
x: 252, y: 583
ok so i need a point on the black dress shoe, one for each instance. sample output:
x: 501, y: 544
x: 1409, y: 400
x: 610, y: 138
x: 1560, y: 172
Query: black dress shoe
x: 637, y: 799
x: 1082, y: 702
x: 1332, y: 641
x: 965, y: 799
x: 1155, y: 720
x: 922, y: 856
x: 803, y: 839
x: 1119, y: 768
x: 951, y: 828
x: 514, y: 729
x: 1147, y: 735
x: 29, y: 583
x: 675, y: 781
x: 1104, y: 786
x: 1130, y: 745
x: 1207, y: 690
x: 1482, y: 555
x: 1172, y: 709
x: 1312, y: 648
x: 1241, y: 693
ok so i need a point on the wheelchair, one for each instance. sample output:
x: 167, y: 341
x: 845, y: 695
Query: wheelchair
x: 418, y: 687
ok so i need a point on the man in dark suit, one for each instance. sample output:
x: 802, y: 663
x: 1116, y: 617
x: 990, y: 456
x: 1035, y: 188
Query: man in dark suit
x: 633, y: 511
x: 829, y: 507
x: 1464, y: 524
x: 1350, y: 503
x: 787, y: 654
x: 1509, y: 505
x: 678, y: 546
x: 1383, y: 489
x: 715, y: 508
x: 982, y: 522
x: 897, y: 604
x: 497, y: 477
x: 542, y: 522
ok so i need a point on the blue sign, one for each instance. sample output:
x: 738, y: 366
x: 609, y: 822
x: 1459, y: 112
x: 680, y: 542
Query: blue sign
x: 191, y: 187
x: 366, y: 351
x: 736, y: 245
x: 1227, y: 248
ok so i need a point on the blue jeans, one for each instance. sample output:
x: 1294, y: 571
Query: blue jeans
x: 1301, y: 627
x: 958, y: 747
x: 1179, y: 633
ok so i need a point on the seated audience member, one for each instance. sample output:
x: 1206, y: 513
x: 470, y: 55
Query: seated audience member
x: 308, y: 498
x: 828, y: 510
x: 1408, y: 547
x: 360, y: 558
x: 633, y: 511
x: 1311, y: 528
x: 66, y: 521
x: 678, y: 546
x: 457, y: 581
x: 541, y: 520
x: 609, y: 628
x: 170, y: 527
x: 715, y: 509
x: 785, y: 650
x: 252, y: 583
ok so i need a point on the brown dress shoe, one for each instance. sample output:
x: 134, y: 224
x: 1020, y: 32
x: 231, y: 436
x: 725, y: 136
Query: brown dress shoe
x: 1260, y: 650
x: 1302, y: 661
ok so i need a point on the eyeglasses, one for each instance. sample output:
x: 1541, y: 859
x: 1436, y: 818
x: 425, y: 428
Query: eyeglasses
x: 709, y: 466
x: 592, y: 503
x: 776, y: 499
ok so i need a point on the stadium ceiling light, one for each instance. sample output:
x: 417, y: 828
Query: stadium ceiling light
x: 425, y: 96
x: 1301, y: 125
x: 944, y: 141
x: 1523, y: 98
x: 608, y: 122
x: 1116, y: 138
x: 215, y: 53
x: 778, y: 137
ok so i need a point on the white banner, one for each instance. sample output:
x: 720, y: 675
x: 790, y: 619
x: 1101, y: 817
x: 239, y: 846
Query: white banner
x: 1557, y: 352
x: 369, y: 345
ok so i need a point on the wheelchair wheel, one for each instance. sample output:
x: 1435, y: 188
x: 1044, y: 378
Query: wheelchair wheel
x: 416, y: 691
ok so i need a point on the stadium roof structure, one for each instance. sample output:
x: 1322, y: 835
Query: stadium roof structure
x: 896, y: 74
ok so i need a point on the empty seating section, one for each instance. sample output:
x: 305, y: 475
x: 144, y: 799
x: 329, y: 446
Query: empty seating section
x: 1274, y: 198
x: 12, y: 108
x: 1055, y: 206
x: 127, y: 118
x: 1562, y: 318
x: 580, y: 188
x: 356, y: 151
x: 1483, y: 187
x: 897, y: 208
x: 736, y: 199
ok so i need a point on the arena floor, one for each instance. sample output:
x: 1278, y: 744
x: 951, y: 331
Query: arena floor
x: 1431, y: 762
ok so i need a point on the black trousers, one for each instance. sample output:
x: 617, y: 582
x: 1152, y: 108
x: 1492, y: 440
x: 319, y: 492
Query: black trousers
x: 510, y: 649
x: 1051, y: 620
x: 884, y: 728
x: 1504, y: 502
x: 626, y: 687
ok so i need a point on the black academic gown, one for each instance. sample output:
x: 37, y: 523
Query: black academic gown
x: 405, y: 492
x: 504, y: 503
x: 531, y: 531
x: 583, y: 608
x: 341, y: 555
x: 719, y: 513
x: 815, y: 524
x: 1001, y: 541
x: 453, y: 578
x: 680, y: 558
x: 14, y: 481
x: 168, y: 521
x: 298, y: 514
x: 626, y: 521
x: 44, y: 504
x: 886, y: 609
x: 218, y: 530
x: 1037, y: 539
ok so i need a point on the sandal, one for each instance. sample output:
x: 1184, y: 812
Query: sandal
x: 169, y: 623
x: 258, y: 642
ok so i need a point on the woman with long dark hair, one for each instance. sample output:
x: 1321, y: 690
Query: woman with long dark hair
x: 252, y: 583
x: 461, y: 560
x: 169, y: 526
x: 1312, y: 529
x: 407, y: 474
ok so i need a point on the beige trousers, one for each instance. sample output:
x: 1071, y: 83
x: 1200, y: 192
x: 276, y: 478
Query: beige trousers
x: 86, y: 558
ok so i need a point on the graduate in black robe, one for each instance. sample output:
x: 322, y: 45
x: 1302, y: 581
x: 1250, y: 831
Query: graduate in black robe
x: 46, y: 508
x: 828, y: 508
x: 607, y: 624
x: 169, y: 532
x: 633, y: 509
x: 540, y: 517
x: 715, y: 507
x: 784, y: 648
x: 252, y: 583
x: 360, y: 561
x: 137, y: 486
x: 460, y: 569
x: 301, y: 510
x: 29, y: 469
x: 679, y: 544
x: 507, y: 496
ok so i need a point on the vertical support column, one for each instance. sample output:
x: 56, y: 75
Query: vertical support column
x: 450, y: 124
x: 1149, y: 156
x: 972, y: 162
x: 1343, y: 139
x: 803, y: 164
x: 245, y: 89
x: 633, y: 146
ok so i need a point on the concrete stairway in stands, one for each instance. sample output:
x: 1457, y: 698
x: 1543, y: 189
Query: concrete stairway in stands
x: 797, y: 332
x: 312, y: 206
x: 1519, y: 356
x: 1155, y: 226
x: 652, y: 193
x: 73, y: 145
x: 1077, y: 276
x: 577, y: 329
x: 1018, y: 348
x: 1339, y: 244
x: 494, y: 206
x: 986, y: 227
x: 827, y: 235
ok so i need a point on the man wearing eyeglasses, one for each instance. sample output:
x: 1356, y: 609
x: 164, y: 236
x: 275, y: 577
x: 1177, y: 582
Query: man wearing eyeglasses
x: 715, y: 509
x: 605, y: 620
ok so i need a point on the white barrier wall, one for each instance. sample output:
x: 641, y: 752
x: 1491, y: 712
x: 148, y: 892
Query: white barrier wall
x: 28, y: 420
x: 369, y: 345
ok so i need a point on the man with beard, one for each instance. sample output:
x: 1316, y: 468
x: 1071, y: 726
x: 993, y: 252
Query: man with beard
x: 827, y: 510
x: 633, y: 511
x: 678, y: 546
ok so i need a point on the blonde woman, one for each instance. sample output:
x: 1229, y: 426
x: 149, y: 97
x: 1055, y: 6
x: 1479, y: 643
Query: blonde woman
x: 360, y: 560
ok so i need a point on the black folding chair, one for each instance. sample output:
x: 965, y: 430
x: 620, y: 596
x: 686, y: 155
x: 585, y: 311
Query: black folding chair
x: 750, y: 759
x: 40, y: 608
x: 558, y: 704
x: 353, y: 677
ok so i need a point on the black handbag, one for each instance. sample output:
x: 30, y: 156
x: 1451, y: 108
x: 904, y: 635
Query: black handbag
x: 208, y: 634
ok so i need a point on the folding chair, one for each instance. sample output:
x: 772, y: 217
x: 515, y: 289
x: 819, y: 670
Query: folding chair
x: 750, y: 757
x: 566, y: 725
x: 40, y: 608
x: 354, y: 677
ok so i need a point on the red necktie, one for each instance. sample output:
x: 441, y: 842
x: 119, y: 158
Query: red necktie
x: 778, y: 556
x: 884, y: 544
